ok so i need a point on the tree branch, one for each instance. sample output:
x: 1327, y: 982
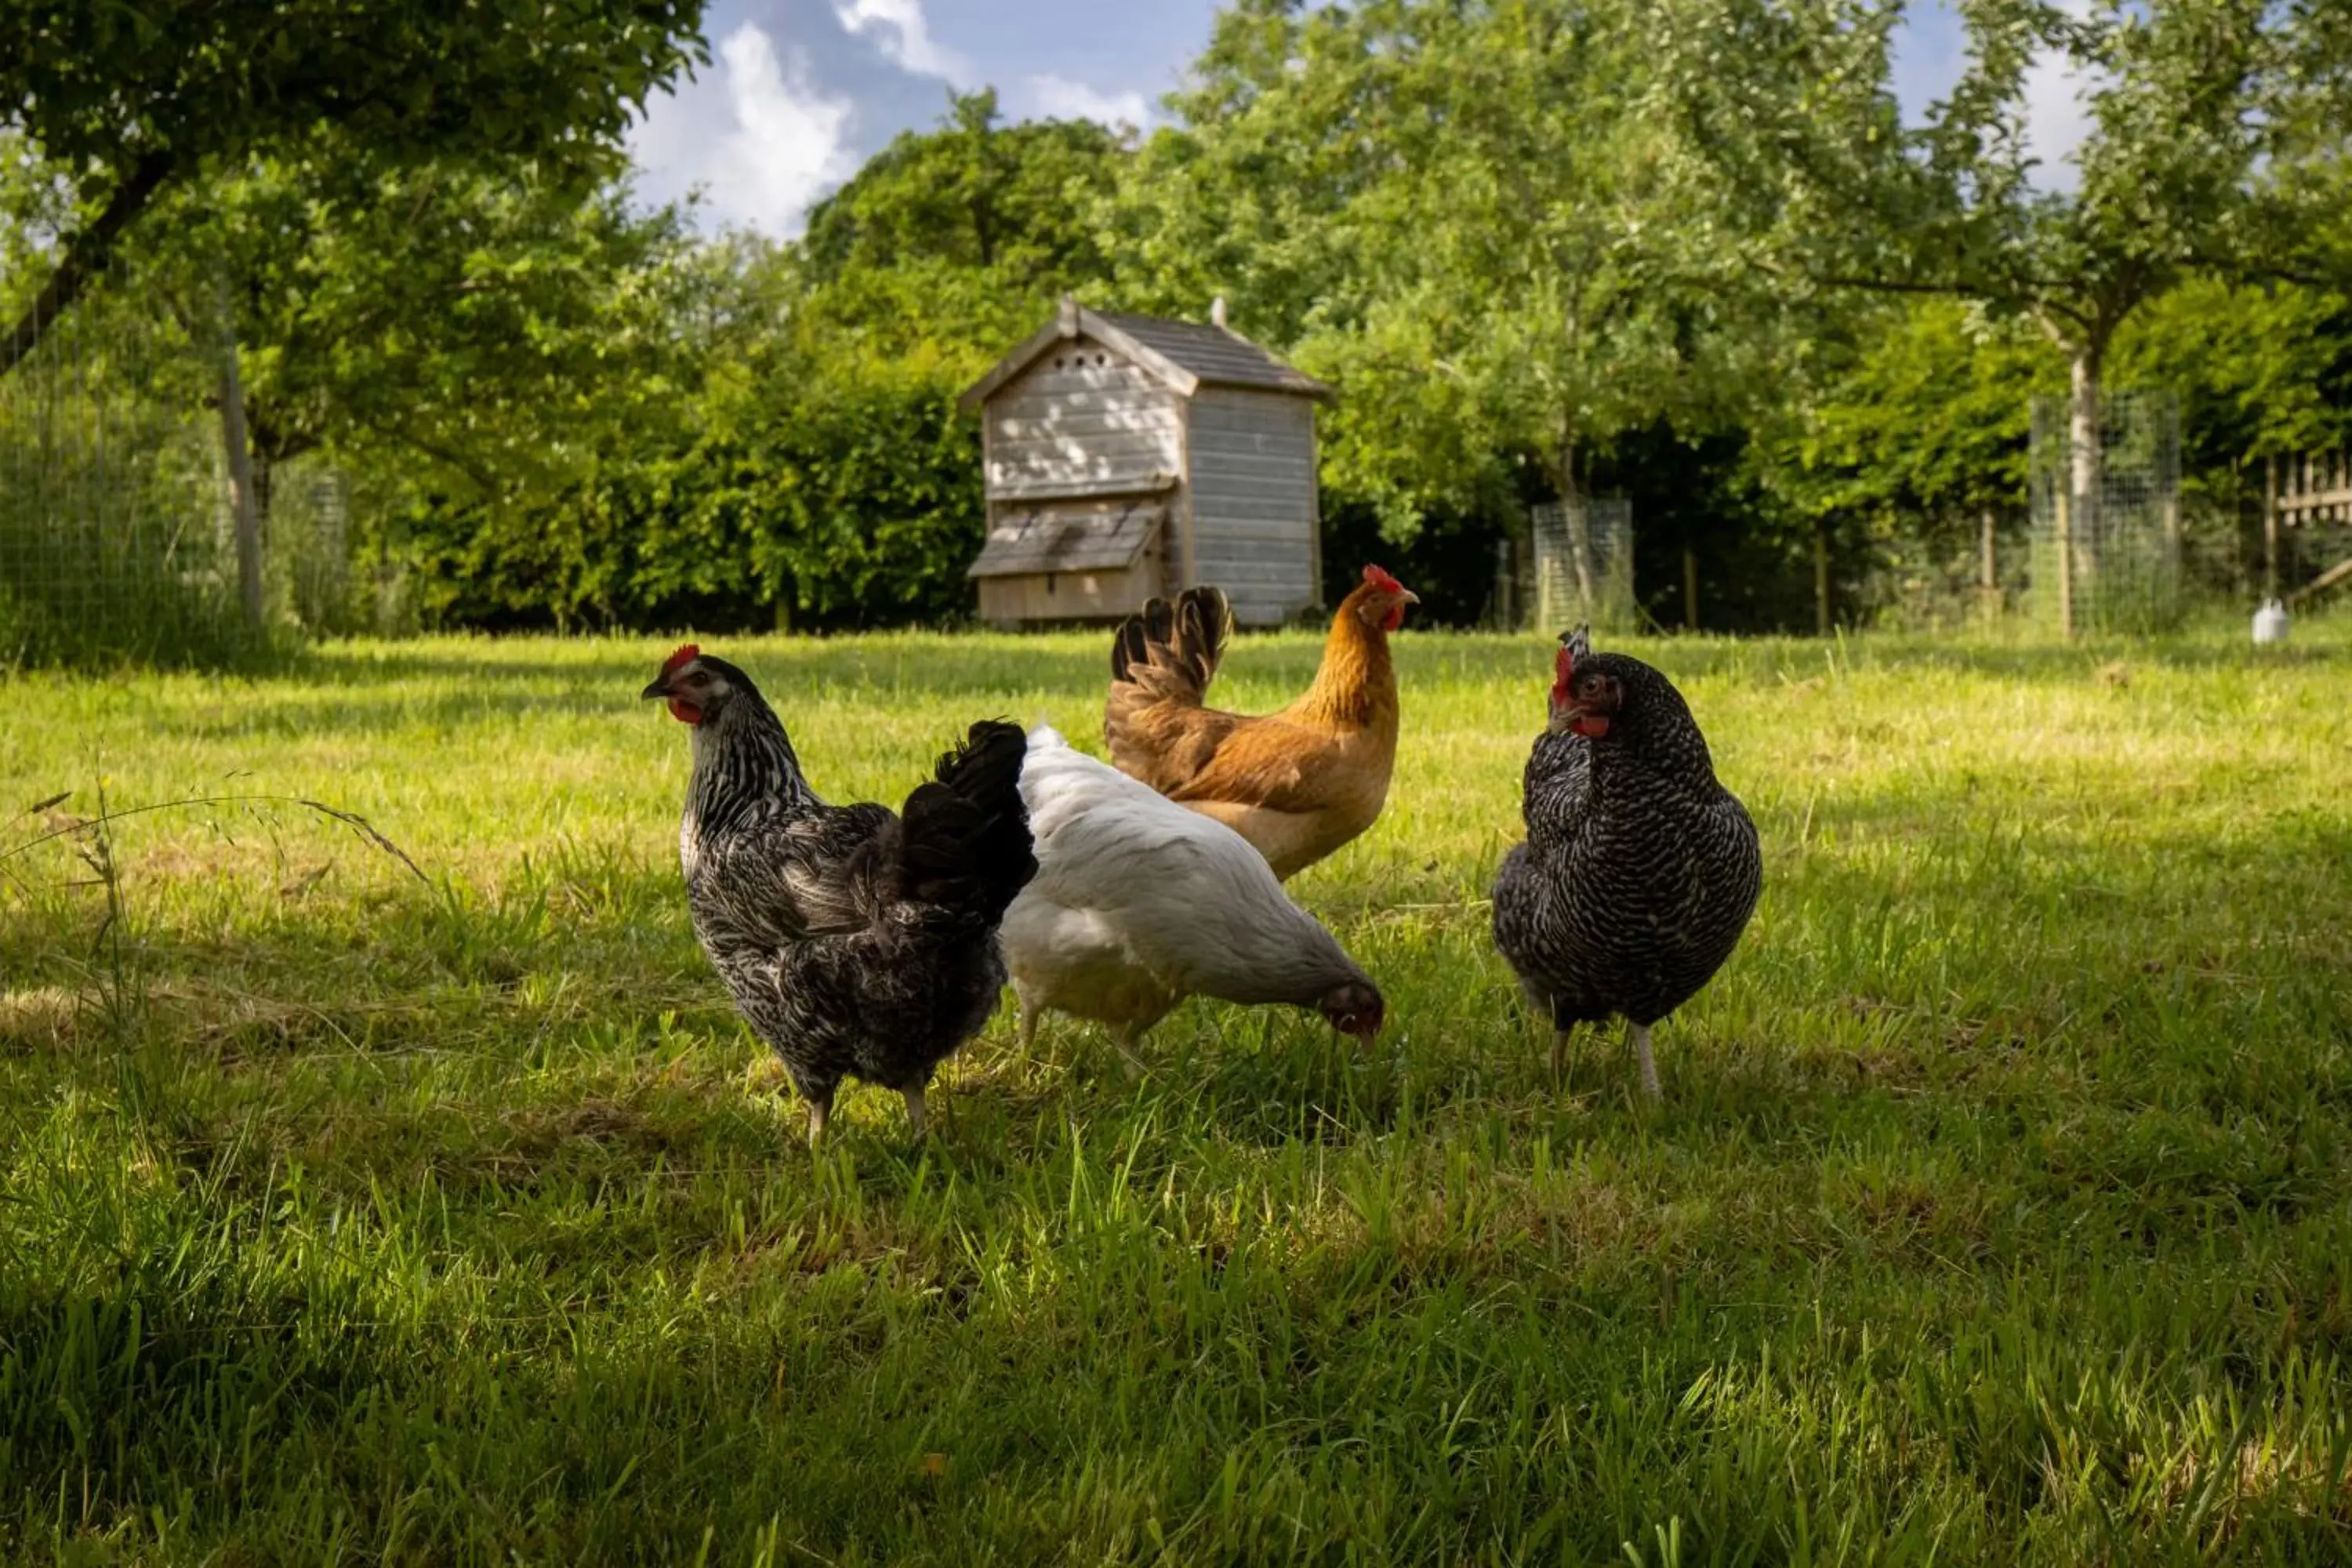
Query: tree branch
x: 84, y: 254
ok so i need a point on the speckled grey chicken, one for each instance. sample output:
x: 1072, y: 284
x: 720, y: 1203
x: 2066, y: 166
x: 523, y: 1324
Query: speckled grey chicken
x: 1639, y: 870
x: 856, y: 942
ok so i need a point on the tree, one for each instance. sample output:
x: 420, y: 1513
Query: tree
x: 128, y: 100
x: 1471, y: 217
x: 960, y: 238
x: 494, y: 332
x: 1921, y: 437
x: 2203, y: 115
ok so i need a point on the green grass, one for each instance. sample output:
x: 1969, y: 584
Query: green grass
x: 2000, y: 1208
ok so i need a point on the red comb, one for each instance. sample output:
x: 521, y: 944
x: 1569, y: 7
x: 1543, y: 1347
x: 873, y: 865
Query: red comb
x: 685, y: 651
x: 1379, y: 578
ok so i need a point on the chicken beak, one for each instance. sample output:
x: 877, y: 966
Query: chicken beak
x: 660, y: 688
x: 1409, y: 597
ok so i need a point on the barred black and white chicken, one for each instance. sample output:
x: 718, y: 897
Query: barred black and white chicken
x: 856, y: 942
x: 1639, y: 870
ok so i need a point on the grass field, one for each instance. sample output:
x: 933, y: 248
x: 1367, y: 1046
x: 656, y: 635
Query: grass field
x: 2000, y: 1208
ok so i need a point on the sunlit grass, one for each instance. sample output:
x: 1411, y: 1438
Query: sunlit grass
x: 2000, y: 1208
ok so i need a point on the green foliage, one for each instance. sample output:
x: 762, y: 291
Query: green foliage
x: 962, y: 238
x: 126, y: 100
x: 1928, y: 430
x: 818, y: 504
x: 1686, y: 253
x: 498, y: 330
x: 1468, y: 218
x: 99, y: 85
x: 2260, y: 372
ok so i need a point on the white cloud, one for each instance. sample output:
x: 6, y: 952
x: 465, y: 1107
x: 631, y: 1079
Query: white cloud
x: 2057, y: 117
x: 762, y: 141
x: 2058, y: 91
x: 900, y: 30
x: 1059, y: 98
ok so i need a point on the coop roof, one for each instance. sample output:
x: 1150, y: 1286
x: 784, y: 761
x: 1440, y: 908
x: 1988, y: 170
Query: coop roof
x: 1186, y: 355
x: 1067, y: 539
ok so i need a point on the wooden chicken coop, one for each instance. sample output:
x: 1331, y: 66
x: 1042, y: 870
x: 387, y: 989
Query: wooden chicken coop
x: 1129, y: 455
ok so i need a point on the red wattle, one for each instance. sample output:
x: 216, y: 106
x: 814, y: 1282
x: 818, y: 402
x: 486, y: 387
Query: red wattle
x: 685, y: 712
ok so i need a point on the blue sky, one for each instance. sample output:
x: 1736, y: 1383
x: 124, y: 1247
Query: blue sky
x: 799, y: 92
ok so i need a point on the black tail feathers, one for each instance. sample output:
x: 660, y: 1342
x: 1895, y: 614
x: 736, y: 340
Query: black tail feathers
x: 1194, y: 631
x: 966, y: 840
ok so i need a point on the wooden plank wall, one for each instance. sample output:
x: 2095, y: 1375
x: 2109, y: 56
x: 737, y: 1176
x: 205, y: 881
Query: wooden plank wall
x: 1081, y: 413
x: 1254, y: 500
x: 1068, y: 595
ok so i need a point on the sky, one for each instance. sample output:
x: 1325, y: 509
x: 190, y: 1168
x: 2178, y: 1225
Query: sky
x: 799, y: 92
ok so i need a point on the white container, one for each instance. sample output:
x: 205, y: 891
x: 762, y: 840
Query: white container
x: 2270, y: 622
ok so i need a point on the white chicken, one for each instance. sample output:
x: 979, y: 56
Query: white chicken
x: 1138, y: 904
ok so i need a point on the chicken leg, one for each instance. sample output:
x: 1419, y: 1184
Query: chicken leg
x: 1559, y: 1053
x: 914, y: 1111
x: 820, y: 1107
x: 1649, y: 1064
x: 1125, y: 1038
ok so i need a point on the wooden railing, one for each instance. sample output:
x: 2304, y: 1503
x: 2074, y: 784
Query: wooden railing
x: 2312, y: 487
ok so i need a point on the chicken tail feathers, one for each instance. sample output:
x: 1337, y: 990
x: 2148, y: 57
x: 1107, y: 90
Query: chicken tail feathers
x: 1173, y: 650
x: 965, y: 843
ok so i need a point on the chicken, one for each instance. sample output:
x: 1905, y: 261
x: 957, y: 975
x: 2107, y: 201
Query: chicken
x: 1138, y: 904
x: 854, y: 941
x: 1297, y: 783
x: 1639, y: 872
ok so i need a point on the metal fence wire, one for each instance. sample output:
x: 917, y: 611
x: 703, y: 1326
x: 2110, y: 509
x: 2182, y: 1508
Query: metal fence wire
x: 1584, y: 564
x: 114, y: 528
x: 2109, y: 561
x: 118, y: 538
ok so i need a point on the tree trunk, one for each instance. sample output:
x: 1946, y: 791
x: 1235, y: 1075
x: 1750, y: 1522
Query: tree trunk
x: 1578, y: 519
x: 1690, y: 589
x: 2270, y: 528
x: 2078, y: 519
x: 1989, y: 565
x: 84, y: 254
x: 265, y: 477
x: 243, y: 511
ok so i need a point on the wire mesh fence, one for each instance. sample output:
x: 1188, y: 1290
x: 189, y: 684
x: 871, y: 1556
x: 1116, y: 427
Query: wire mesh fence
x: 117, y: 527
x: 1583, y: 564
x: 114, y: 528
x: 2107, y: 560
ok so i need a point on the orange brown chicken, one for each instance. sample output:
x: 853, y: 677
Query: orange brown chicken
x: 1297, y: 783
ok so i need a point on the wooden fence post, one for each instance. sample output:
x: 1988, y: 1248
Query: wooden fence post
x: 1821, y: 580
x: 2270, y: 528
